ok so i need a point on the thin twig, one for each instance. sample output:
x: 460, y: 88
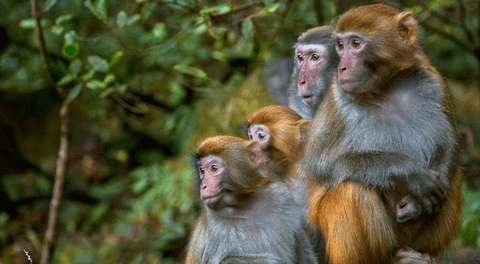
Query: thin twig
x: 41, y: 44
x: 48, y: 240
x: 28, y: 256
x: 58, y: 185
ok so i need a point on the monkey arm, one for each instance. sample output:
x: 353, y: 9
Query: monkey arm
x: 383, y: 170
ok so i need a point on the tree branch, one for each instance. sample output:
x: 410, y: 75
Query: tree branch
x: 63, y: 149
x: 58, y: 185
x: 41, y: 45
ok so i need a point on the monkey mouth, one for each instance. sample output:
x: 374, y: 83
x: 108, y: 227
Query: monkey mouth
x: 309, y: 98
x: 212, y: 199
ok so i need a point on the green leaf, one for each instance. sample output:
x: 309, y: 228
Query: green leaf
x: 66, y: 80
x: 99, y: 63
x: 63, y: 18
x: 27, y: 23
x: 56, y: 29
x: 98, y: 9
x: 121, y: 19
x: 216, y: 9
x: 49, y: 4
x: 74, y: 92
x: 115, y: 58
x: 247, y: 26
x: 88, y: 75
x: 75, y: 66
x: 159, y: 31
x: 131, y: 20
x: 95, y: 84
x: 194, y: 71
x: 272, y: 8
x: 69, y: 37
x: 108, y: 79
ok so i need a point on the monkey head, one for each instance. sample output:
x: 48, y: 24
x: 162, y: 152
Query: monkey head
x: 227, y: 169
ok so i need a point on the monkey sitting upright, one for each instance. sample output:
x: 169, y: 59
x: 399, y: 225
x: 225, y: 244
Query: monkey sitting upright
x: 246, y: 217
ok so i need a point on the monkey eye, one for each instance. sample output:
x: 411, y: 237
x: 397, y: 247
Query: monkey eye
x: 261, y: 136
x: 202, y: 171
x: 300, y: 57
x: 214, y: 168
x: 250, y: 136
x: 315, y: 57
x: 340, y: 44
x: 356, y: 43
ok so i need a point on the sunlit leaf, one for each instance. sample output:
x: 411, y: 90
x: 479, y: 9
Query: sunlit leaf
x: 216, y: 9
x: 159, y: 31
x: 66, y: 80
x: 115, y: 58
x: 121, y: 19
x: 194, y: 71
x: 131, y: 20
x: 63, y: 18
x: 272, y: 8
x: 108, y: 79
x: 88, y: 75
x: 72, y: 94
x: 95, y: 84
x: 27, y: 23
x: 56, y: 29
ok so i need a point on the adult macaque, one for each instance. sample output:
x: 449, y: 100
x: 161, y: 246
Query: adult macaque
x: 384, y: 132
x: 315, y: 63
x: 246, y: 217
x: 279, y: 131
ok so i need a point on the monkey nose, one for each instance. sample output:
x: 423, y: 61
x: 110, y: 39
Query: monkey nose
x: 204, y: 186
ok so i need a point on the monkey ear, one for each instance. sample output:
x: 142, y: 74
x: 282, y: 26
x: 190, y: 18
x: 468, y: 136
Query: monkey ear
x: 254, y: 153
x: 407, y: 27
x: 245, y: 126
x: 303, y: 126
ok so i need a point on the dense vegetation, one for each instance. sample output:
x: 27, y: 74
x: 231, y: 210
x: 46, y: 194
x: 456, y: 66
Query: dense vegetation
x: 140, y: 83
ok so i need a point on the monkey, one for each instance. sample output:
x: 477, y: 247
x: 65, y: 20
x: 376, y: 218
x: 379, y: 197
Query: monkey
x: 279, y: 131
x: 385, y: 131
x: 246, y: 217
x: 315, y: 61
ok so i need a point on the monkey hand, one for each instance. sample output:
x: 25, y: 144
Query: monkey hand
x: 427, y: 196
x: 410, y: 256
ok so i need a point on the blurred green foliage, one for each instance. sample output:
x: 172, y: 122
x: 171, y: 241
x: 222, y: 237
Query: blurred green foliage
x: 147, y: 80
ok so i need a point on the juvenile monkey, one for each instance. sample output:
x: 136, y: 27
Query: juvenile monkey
x: 246, y: 217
